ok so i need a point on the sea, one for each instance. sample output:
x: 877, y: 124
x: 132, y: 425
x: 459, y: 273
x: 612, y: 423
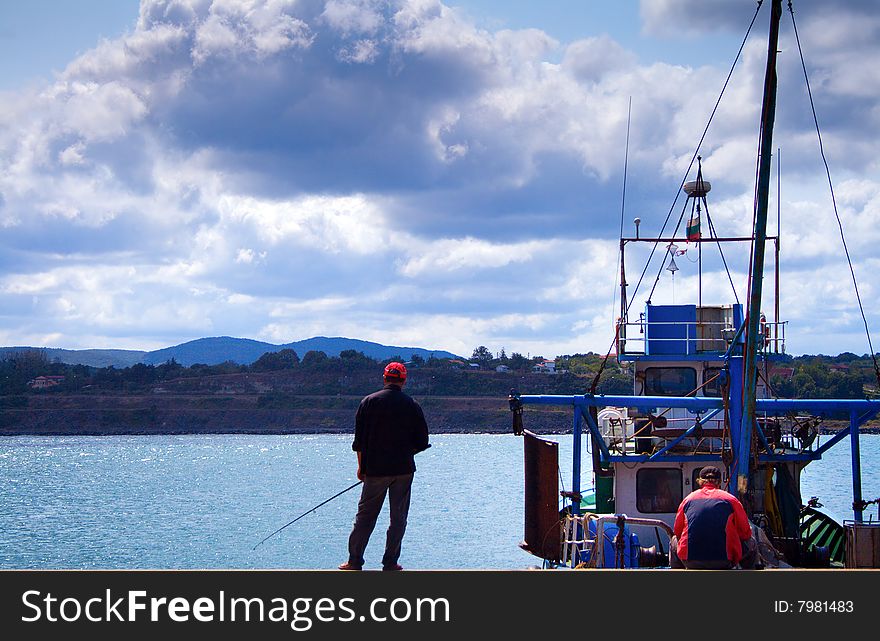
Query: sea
x: 208, y: 501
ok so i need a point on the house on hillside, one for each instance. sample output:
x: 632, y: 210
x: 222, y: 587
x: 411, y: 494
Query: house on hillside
x: 502, y: 369
x: 784, y: 373
x: 545, y: 367
x: 45, y: 382
x: 839, y: 368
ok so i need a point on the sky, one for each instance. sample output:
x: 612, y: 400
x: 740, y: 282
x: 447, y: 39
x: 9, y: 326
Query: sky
x: 419, y: 173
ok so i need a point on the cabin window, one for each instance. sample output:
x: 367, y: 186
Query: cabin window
x: 658, y: 490
x: 670, y: 381
x: 712, y: 389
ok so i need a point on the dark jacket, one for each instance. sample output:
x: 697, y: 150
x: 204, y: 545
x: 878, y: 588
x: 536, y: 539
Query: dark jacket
x: 389, y: 430
x: 711, y: 525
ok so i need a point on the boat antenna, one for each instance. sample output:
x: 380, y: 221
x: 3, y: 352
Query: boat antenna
x: 625, y: 163
x: 595, y: 382
x: 350, y: 487
x: 833, y: 199
x: 697, y: 150
x: 623, y: 205
x: 778, y: 237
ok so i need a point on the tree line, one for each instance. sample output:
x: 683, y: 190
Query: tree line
x: 19, y: 370
x: 812, y: 376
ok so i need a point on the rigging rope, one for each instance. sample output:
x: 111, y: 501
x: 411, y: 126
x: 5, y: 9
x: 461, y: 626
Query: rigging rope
x: 754, y: 220
x: 714, y: 234
x: 699, y: 145
x: 833, y: 199
x: 678, y: 193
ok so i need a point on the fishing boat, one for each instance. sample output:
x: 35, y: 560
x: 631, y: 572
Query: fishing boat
x: 701, y: 396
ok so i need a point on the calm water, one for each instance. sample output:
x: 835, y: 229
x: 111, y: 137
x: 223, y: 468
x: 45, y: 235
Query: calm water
x: 205, y: 501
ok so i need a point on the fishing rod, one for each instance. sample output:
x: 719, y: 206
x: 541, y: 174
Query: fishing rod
x: 351, y: 487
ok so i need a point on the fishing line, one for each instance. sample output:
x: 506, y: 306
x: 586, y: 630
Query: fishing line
x: 350, y: 487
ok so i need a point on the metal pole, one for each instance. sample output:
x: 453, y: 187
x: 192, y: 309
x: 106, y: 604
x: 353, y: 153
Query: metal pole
x: 710, y: 239
x: 768, y: 117
x: 735, y: 412
x: 621, y: 336
x: 700, y: 264
x: 858, y: 508
x: 776, y: 245
x: 576, y: 463
x: 700, y: 331
x: 776, y: 303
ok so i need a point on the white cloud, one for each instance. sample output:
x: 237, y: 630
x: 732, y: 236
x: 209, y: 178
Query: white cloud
x: 680, y: 17
x: 248, y: 256
x: 592, y: 59
x: 360, y: 17
x: 360, y: 52
x: 331, y: 224
x: 213, y: 37
x: 280, y: 169
x: 466, y: 254
x: 72, y: 155
x: 101, y: 112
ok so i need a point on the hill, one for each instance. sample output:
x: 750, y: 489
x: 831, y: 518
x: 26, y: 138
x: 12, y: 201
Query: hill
x: 90, y: 357
x: 221, y: 349
x: 335, y: 346
x: 211, y: 351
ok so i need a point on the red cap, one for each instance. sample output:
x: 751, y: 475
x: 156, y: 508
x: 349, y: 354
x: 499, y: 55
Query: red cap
x: 395, y: 371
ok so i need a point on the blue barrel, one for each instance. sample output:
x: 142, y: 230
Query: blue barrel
x: 630, y: 549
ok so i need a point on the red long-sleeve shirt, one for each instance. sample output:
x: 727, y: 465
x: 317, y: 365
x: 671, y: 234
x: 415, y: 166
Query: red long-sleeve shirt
x: 711, y: 525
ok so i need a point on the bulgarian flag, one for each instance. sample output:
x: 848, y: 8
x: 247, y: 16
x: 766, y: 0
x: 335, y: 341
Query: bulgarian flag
x: 693, y: 228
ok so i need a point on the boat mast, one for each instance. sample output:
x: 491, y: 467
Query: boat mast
x: 768, y: 116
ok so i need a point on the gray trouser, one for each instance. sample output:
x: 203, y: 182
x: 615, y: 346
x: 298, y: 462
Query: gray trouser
x: 369, y: 506
x: 749, y: 554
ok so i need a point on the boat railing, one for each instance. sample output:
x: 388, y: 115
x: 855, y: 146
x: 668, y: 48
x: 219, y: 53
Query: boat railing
x: 772, y: 445
x: 623, y: 437
x: 626, y: 435
x: 687, y: 338
x: 586, y: 546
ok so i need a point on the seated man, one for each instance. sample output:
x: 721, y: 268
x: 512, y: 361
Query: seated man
x: 712, y: 531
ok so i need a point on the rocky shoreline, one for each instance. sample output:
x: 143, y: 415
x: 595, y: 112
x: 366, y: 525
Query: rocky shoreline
x: 69, y: 416
x: 133, y: 415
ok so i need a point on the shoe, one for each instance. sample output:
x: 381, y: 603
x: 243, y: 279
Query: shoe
x: 392, y: 568
x: 350, y: 567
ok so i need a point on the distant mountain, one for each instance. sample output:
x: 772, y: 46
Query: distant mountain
x: 215, y: 350
x: 333, y: 346
x: 92, y: 357
x: 211, y: 351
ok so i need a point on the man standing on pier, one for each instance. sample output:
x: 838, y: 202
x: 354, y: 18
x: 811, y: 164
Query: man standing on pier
x: 390, y: 429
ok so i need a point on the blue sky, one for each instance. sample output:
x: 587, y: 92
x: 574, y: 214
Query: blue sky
x: 408, y: 171
x: 40, y: 37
